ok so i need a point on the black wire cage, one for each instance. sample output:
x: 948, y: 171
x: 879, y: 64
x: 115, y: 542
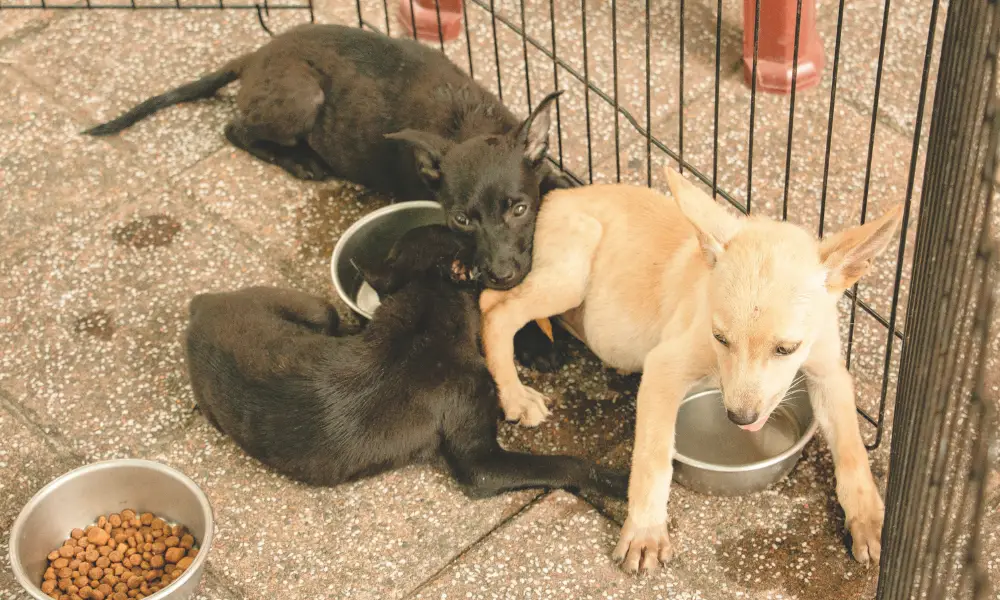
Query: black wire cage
x: 651, y: 83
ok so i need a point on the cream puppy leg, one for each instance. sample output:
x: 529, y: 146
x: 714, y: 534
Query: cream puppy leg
x: 832, y: 391
x: 557, y: 282
x: 644, y: 543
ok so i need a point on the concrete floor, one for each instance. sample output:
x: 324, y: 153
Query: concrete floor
x: 103, y: 242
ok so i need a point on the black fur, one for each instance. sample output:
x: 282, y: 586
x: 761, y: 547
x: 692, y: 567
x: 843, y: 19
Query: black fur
x: 398, y: 117
x: 268, y: 368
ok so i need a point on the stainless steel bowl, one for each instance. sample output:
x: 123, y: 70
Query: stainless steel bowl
x: 368, y: 241
x: 714, y: 456
x: 76, y: 500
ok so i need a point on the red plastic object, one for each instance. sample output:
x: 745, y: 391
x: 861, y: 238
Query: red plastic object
x: 426, y: 17
x: 776, y: 46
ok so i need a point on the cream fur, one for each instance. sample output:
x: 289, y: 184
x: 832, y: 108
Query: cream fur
x: 653, y: 283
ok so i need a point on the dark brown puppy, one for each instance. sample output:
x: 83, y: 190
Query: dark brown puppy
x: 268, y: 368
x: 396, y: 116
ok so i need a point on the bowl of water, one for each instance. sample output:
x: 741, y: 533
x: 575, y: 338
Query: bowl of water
x: 368, y: 242
x: 714, y: 456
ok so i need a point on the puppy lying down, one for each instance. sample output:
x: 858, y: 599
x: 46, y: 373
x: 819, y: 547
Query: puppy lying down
x: 269, y: 369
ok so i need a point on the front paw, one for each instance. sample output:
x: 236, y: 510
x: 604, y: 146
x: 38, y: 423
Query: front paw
x: 643, y: 548
x: 866, y: 537
x: 307, y: 172
x: 524, y: 405
x: 547, y: 360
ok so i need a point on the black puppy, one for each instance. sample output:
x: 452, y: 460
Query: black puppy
x: 396, y: 116
x: 393, y: 115
x: 268, y: 369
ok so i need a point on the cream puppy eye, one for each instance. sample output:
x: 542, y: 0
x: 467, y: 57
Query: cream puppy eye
x: 786, y: 349
x: 721, y: 339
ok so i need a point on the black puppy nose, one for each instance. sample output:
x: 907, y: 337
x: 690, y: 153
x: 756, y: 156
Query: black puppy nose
x: 502, y: 277
x: 742, y: 417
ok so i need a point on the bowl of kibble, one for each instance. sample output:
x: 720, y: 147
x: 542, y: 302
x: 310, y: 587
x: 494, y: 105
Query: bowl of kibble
x: 115, y: 530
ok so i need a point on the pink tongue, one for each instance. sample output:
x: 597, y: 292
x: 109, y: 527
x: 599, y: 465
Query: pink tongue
x: 754, y: 426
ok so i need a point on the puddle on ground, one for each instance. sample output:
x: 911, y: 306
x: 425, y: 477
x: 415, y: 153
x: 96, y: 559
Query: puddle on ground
x: 328, y: 212
x: 98, y: 324
x: 802, y: 554
x: 153, y: 231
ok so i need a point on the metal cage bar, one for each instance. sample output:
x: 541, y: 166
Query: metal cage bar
x: 944, y: 421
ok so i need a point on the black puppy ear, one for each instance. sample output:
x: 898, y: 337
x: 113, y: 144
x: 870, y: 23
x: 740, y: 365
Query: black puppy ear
x: 533, y: 133
x: 428, y: 150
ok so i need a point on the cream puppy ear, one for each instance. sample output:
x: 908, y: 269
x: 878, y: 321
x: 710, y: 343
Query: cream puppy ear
x: 847, y: 256
x: 714, y: 225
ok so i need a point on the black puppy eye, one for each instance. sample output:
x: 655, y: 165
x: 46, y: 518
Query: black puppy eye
x: 520, y: 209
x: 721, y: 339
x: 786, y: 349
x: 461, y: 219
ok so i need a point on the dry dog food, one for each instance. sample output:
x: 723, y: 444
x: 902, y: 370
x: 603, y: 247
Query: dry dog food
x: 125, y: 555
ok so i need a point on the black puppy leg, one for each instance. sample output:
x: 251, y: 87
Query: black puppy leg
x: 312, y: 313
x: 308, y: 311
x: 300, y: 161
x: 489, y: 474
x: 279, y: 102
x: 485, y: 469
x: 535, y: 350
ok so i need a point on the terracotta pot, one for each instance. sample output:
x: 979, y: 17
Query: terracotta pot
x: 776, y: 46
x: 426, y: 17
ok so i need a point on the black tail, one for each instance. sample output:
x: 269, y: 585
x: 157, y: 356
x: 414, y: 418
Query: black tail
x: 196, y: 90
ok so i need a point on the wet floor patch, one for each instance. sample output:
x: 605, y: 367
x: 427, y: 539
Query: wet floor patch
x: 153, y: 231
x: 98, y: 324
x: 799, y: 554
x: 327, y: 213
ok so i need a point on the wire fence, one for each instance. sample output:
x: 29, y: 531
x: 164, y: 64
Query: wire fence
x: 651, y: 83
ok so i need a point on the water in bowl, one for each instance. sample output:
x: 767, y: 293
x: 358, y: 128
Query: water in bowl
x: 367, y: 298
x: 705, y: 433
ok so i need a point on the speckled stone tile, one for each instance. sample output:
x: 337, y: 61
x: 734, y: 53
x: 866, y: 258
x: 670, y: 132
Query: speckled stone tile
x: 92, y: 326
x: 376, y: 538
x: 296, y: 222
x: 97, y: 64
x: 785, y: 542
x: 561, y: 548
x: 20, y: 22
x: 52, y: 180
x: 28, y: 461
x: 905, y: 49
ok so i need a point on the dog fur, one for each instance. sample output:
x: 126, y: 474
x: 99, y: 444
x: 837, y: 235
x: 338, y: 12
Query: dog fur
x: 270, y: 368
x: 685, y: 292
x: 393, y: 115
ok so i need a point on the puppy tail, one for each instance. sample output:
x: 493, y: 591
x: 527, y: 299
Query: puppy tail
x: 196, y: 90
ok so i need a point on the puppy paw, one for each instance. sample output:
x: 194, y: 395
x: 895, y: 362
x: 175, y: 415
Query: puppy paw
x: 534, y: 349
x: 544, y: 361
x: 307, y: 172
x: 643, y: 549
x: 866, y: 537
x: 524, y: 406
